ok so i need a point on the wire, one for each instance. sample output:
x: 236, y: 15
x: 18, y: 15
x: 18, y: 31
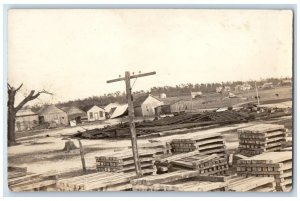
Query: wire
x: 134, y: 82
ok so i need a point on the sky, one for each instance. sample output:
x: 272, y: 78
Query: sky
x: 72, y: 53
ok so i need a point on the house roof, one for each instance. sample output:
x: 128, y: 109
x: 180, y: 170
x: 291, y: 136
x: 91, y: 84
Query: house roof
x: 72, y: 110
x: 140, y: 100
x: 25, y: 112
x: 87, y: 108
x: 49, y: 109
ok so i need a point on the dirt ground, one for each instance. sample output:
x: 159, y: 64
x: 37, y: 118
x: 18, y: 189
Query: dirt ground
x: 41, y: 154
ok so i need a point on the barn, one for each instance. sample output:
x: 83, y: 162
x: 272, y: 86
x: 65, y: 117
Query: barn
x: 95, y: 113
x: 52, y: 114
x: 74, y: 113
x: 145, y: 105
x: 26, y: 120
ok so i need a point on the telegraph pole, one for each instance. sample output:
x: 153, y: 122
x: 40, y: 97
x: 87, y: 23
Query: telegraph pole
x: 257, y: 95
x: 129, y: 97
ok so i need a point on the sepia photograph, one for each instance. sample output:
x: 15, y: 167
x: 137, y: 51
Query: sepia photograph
x: 185, y: 100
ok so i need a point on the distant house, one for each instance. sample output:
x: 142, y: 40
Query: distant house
x: 243, y: 87
x: 110, y: 108
x: 196, y: 94
x: 287, y: 82
x: 95, y: 113
x: 52, y: 114
x: 268, y: 85
x: 223, y: 89
x: 144, y: 105
x: 162, y: 96
x: 26, y: 120
x: 74, y: 113
x: 184, y: 105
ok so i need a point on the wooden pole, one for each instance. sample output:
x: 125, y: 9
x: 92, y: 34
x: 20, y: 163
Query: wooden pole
x: 134, y: 146
x: 132, y: 125
x: 257, y: 95
x: 82, y: 157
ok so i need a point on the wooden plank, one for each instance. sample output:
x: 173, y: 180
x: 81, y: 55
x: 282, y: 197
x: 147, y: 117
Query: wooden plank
x: 164, y: 178
x: 32, y: 187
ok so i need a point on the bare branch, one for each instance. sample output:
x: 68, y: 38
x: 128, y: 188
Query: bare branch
x: 19, y: 87
x: 45, y: 92
x: 8, y: 86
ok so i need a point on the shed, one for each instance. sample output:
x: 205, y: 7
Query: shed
x: 196, y: 94
x: 26, y: 120
x: 74, y: 113
x: 144, y: 105
x: 52, y: 114
x: 95, y: 113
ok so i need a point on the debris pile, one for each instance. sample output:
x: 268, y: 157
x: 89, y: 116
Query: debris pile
x: 156, y: 127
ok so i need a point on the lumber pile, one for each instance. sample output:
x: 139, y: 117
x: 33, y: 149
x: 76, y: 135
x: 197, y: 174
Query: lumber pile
x: 205, y: 164
x: 122, y: 161
x: 178, y: 181
x: 14, y: 171
x: 260, y: 138
x: 100, y: 181
x: 212, y: 143
x: 253, y: 184
x: 157, y: 147
x: 269, y: 164
x: 32, y: 182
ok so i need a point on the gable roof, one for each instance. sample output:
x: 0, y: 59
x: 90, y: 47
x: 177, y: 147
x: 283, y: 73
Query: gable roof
x: 86, y: 109
x: 140, y: 100
x: 73, y: 110
x: 25, y: 112
x: 50, y: 109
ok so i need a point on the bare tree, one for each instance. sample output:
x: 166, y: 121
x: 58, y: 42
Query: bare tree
x: 12, y: 110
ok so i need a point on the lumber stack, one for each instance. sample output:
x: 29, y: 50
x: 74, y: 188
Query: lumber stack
x: 178, y: 181
x: 212, y: 143
x: 157, y: 147
x: 32, y: 182
x: 122, y: 161
x: 205, y: 164
x: 253, y: 184
x: 269, y: 164
x: 100, y: 181
x: 260, y: 138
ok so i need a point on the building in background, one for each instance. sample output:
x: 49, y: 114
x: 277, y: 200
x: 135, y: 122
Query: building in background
x: 74, y: 114
x: 145, y: 105
x: 52, y: 115
x: 162, y: 96
x: 95, y: 113
x: 26, y: 120
x: 110, y: 108
x: 196, y: 94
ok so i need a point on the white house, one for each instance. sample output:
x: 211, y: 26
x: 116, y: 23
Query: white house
x: 95, y: 113
x: 162, y: 96
x: 196, y: 94
x: 145, y: 105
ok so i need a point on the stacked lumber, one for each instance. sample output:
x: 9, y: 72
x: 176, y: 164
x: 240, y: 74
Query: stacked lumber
x: 122, y: 161
x: 260, y: 138
x: 157, y: 147
x: 14, y: 171
x: 32, y: 182
x: 212, y: 143
x: 253, y: 184
x: 269, y: 164
x: 178, y: 181
x: 205, y: 164
x: 100, y: 181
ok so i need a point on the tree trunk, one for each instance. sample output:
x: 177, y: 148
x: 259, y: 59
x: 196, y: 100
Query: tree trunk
x: 11, y: 129
x: 11, y: 119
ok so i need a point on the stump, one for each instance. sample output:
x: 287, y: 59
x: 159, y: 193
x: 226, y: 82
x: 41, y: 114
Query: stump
x: 69, y: 145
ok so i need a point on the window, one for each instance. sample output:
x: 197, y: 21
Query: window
x: 91, y: 115
x: 101, y: 114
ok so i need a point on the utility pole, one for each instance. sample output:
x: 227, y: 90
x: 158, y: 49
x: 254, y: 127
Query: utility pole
x: 129, y: 97
x: 257, y: 95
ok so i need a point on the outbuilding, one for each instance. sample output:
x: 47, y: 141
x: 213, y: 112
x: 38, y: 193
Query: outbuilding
x: 26, y: 120
x: 145, y: 105
x: 74, y: 113
x: 52, y: 114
